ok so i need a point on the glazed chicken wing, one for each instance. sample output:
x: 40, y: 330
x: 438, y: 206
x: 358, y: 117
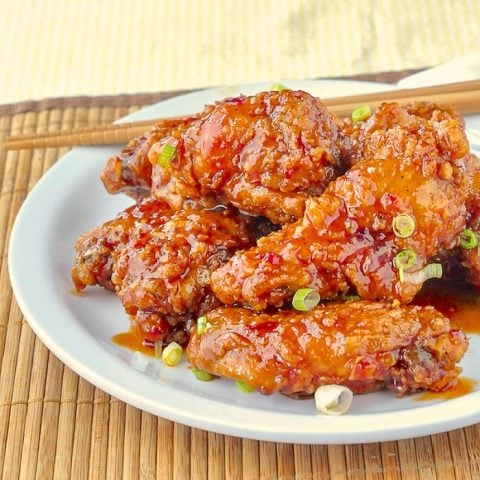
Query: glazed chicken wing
x: 97, y: 250
x: 362, y: 345
x: 130, y: 172
x: 159, y: 263
x: 470, y: 257
x: 264, y: 154
x: 345, y: 240
x: 385, y: 117
x: 162, y: 274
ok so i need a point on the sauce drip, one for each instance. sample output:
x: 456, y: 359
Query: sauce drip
x: 133, y: 342
x: 458, y: 301
x: 464, y: 385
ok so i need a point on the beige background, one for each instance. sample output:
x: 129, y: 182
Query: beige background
x: 69, y: 47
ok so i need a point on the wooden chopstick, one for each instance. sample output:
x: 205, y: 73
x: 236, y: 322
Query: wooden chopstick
x: 110, y: 134
x: 464, y: 95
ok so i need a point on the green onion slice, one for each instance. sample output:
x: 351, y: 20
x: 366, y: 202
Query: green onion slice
x: 168, y: 151
x: 405, y: 259
x: 244, y: 387
x: 361, y: 113
x: 202, y: 375
x: 202, y: 325
x: 432, y: 270
x: 468, y: 239
x: 172, y: 354
x: 278, y: 87
x: 305, y: 299
x: 403, y: 225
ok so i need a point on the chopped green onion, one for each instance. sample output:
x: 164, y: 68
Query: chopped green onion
x: 168, y: 151
x: 432, y: 270
x: 351, y: 298
x: 468, y: 239
x: 202, y: 325
x: 172, y: 354
x: 403, y: 225
x: 278, y: 87
x: 305, y: 299
x: 361, y: 113
x: 405, y: 259
x: 202, y: 375
x: 244, y: 387
x: 158, y: 349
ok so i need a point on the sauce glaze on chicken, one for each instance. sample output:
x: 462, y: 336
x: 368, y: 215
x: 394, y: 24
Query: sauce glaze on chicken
x: 265, y: 195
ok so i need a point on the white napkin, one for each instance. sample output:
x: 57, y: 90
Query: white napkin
x: 458, y: 70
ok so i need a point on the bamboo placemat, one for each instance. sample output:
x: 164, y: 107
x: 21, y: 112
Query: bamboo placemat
x: 54, y: 424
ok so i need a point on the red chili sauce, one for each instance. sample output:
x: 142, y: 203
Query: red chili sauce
x: 133, y: 342
x: 460, y: 302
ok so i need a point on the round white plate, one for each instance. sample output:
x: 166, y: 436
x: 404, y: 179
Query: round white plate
x: 68, y: 201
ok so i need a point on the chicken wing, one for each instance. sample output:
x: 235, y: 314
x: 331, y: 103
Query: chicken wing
x: 470, y: 257
x: 264, y: 154
x: 345, y: 239
x: 165, y: 270
x: 362, y: 345
x: 97, y: 250
x: 386, y: 116
x: 159, y: 263
x: 130, y: 172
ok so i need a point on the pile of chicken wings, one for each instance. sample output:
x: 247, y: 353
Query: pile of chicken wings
x: 258, y: 200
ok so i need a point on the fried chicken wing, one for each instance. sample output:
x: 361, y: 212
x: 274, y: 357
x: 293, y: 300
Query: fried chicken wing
x: 362, y: 345
x: 97, y: 250
x: 264, y: 154
x: 130, y: 172
x: 166, y: 269
x: 159, y: 263
x: 345, y: 239
x: 470, y: 257
x: 385, y: 117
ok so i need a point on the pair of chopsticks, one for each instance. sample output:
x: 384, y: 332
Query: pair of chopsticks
x: 464, y: 95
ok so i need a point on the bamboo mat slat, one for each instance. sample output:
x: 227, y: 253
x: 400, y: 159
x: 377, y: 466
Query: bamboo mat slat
x: 55, y: 425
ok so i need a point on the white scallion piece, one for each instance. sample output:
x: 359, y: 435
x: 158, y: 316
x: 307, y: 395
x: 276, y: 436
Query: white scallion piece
x: 172, y: 354
x: 139, y: 361
x: 333, y: 399
x: 158, y: 349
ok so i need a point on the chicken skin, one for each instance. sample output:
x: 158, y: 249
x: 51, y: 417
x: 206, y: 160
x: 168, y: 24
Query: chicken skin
x: 345, y: 240
x: 363, y: 345
x: 264, y: 154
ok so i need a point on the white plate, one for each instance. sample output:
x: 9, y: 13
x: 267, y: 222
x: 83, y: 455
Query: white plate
x: 68, y: 201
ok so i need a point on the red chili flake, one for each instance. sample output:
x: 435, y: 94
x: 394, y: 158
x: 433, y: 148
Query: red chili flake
x: 388, y: 199
x: 363, y: 364
x: 272, y: 258
x: 262, y: 328
x: 236, y: 100
x: 289, y: 173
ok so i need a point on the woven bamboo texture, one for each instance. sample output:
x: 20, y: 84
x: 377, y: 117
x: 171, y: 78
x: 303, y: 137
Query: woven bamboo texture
x: 55, y: 425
